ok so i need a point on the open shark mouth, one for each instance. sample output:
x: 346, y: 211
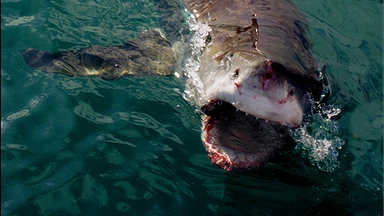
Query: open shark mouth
x: 235, y: 140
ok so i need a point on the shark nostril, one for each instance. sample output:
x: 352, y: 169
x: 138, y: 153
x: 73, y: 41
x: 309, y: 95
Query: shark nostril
x: 236, y: 73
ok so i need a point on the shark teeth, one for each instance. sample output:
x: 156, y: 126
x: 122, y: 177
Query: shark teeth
x: 230, y: 159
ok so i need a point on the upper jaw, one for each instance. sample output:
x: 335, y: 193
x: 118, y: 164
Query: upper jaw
x: 289, y: 113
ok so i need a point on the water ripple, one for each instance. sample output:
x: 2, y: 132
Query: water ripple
x: 31, y: 108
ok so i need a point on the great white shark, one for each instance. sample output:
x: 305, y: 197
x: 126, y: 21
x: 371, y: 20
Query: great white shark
x: 259, y: 77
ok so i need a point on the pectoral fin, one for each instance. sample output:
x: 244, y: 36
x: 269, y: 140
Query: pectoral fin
x: 148, y: 54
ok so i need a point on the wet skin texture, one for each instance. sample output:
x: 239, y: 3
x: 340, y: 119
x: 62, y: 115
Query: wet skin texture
x: 256, y: 67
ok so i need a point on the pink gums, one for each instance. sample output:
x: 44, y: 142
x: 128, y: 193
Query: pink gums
x: 268, y: 79
x: 225, y: 157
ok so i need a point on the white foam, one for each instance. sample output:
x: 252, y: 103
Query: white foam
x: 319, y: 140
x: 195, y: 92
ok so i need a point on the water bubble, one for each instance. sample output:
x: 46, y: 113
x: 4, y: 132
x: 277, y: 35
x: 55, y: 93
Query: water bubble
x: 319, y: 140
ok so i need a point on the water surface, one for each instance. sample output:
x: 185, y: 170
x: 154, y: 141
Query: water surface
x: 87, y: 146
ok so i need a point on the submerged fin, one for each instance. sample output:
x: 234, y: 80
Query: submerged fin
x: 148, y: 54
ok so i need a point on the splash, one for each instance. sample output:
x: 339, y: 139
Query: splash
x: 319, y: 139
x: 194, y: 91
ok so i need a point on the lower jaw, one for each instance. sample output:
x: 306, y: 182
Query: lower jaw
x: 227, y: 158
x: 242, y: 143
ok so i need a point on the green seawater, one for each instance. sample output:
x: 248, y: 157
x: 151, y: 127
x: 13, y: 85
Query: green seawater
x: 132, y: 146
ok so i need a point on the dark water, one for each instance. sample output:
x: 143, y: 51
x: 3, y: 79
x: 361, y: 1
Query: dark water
x: 86, y: 146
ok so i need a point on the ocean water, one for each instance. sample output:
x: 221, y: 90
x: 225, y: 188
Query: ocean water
x: 132, y: 146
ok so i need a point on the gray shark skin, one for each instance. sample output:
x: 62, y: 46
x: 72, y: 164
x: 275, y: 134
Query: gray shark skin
x: 257, y: 70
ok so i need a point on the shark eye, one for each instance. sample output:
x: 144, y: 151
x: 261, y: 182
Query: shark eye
x: 268, y: 76
x: 278, y: 67
x: 236, y: 73
x: 291, y: 92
